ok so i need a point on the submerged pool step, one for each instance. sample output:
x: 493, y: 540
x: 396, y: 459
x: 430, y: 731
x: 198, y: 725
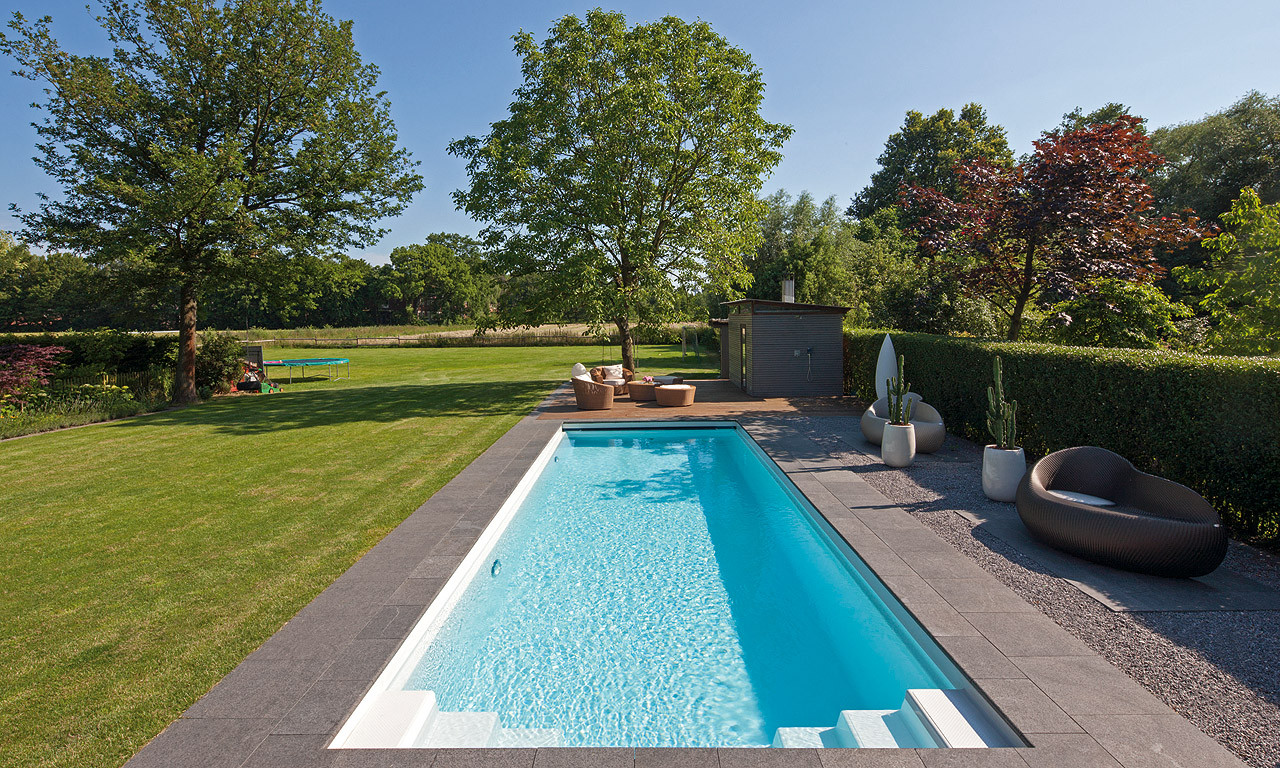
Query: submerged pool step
x: 927, y: 718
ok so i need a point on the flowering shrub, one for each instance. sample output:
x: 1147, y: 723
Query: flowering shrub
x: 23, y: 368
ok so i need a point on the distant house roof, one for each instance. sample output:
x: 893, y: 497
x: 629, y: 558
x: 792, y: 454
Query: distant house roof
x: 763, y: 305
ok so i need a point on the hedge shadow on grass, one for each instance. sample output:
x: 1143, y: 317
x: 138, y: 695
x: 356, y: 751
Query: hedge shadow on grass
x: 263, y: 414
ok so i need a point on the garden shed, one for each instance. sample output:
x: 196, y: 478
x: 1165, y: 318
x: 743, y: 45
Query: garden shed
x: 783, y: 349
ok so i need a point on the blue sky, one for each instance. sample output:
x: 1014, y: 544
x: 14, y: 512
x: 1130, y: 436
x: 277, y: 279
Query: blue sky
x: 842, y: 73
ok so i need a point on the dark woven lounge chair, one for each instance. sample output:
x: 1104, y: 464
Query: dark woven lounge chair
x: 1155, y: 525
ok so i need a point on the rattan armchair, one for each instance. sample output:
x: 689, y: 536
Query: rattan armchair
x: 1154, y: 526
x: 592, y: 395
x: 597, y: 375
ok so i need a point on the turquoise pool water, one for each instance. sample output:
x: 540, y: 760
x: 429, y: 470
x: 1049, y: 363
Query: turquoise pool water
x: 661, y: 587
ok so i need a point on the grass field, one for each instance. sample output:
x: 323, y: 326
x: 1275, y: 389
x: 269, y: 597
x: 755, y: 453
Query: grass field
x: 141, y: 560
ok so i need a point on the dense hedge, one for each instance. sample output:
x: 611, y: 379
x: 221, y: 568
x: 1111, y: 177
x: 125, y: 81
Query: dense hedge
x: 105, y: 350
x: 1211, y: 423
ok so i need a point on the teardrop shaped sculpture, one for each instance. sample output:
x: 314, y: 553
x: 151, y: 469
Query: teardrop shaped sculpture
x: 886, y: 367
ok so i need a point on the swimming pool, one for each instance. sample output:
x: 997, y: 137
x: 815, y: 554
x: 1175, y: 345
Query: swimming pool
x: 666, y: 586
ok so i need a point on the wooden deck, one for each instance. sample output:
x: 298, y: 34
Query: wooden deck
x: 715, y: 398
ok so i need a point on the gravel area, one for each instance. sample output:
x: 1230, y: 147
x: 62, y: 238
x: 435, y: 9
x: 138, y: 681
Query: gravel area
x: 1219, y: 669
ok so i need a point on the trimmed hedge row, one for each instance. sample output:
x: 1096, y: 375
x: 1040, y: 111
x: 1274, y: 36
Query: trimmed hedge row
x: 1210, y: 423
x: 105, y: 350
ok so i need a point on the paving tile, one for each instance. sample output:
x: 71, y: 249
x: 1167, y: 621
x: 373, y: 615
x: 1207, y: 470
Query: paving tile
x: 484, y: 758
x: 869, y: 758
x: 203, y: 743
x: 979, y: 595
x: 651, y: 757
x: 455, y: 544
x: 1067, y: 750
x: 1025, y: 633
x: 1027, y: 707
x: 311, y: 637
x: 436, y: 567
x: 575, y: 757
x: 323, y: 707
x: 391, y: 622
x: 971, y: 758
x: 1157, y: 741
x: 361, y: 660
x: 881, y: 559
x: 978, y: 658
x: 942, y: 564
x: 416, y: 592
x: 1088, y: 685
x: 941, y: 620
x: 385, y: 758
x: 292, y: 751
x: 354, y: 595
x: 257, y: 688
x: 769, y: 758
x: 912, y: 590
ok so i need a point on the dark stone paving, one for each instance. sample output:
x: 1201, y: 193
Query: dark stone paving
x: 284, y: 703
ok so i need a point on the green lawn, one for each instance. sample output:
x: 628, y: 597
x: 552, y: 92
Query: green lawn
x: 141, y: 560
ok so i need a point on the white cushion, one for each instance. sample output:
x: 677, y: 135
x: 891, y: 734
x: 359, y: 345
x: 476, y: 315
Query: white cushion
x: 676, y: 386
x: 613, y: 371
x: 578, y: 370
x: 583, y: 377
x: 615, y: 382
x: 1083, y: 498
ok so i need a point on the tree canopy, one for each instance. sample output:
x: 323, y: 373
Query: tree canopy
x: 628, y: 166
x: 1243, y: 282
x: 1209, y: 161
x: 924, y: 153
x: 1107, y: 113
x: 1077, y: 210
x: 220, y: 138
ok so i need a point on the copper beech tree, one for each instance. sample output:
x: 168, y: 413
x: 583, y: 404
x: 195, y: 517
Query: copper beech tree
x: 1078, y: 209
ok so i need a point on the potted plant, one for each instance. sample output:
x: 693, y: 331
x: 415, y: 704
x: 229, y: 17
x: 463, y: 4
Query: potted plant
x: 898, y: 447
x: 1003, y: 462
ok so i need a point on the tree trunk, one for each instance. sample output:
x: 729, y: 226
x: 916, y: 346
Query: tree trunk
x: 628, y: 344
x: 184, y: 386
x: 1024, y: 295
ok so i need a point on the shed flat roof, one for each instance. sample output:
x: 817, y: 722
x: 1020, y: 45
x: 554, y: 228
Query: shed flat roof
x: 788, y: 306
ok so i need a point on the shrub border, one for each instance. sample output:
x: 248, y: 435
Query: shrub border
x: 1211, y: 423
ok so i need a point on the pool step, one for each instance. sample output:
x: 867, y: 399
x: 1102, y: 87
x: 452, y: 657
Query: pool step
x: 927, y: 718
x: 461, y: 729
x: 528, y: 737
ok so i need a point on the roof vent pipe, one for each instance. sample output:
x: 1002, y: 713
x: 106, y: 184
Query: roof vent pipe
x: 789, y: 290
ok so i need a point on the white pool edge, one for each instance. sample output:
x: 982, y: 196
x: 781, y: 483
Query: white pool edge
x: 429, y: 624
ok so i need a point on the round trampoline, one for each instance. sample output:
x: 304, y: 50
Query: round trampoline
x: 330, y: 365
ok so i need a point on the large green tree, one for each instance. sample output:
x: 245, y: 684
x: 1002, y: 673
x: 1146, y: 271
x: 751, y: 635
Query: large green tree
x: 221, y: 136
x: 629, y: 165
x: 924, y: 153
x: 1209, y: 161
x: 1242, y: 286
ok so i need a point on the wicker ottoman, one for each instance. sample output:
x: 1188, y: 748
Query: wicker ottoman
x: 641, y: 390
x: 674, y: 394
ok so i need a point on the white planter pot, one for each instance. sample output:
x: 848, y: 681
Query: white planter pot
x: 898, y: 446
x: 1002, y: 471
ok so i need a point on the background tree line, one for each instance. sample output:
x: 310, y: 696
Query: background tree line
x: 1164, y: 238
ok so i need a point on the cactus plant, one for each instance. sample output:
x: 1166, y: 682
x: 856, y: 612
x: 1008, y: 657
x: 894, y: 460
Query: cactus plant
x: 1002, y: 416
x: 899, y: 403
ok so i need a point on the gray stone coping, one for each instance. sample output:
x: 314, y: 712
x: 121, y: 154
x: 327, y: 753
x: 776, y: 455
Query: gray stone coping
x: 284, y: 703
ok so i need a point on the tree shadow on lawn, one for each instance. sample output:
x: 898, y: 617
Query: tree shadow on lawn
x: 263, y: 414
